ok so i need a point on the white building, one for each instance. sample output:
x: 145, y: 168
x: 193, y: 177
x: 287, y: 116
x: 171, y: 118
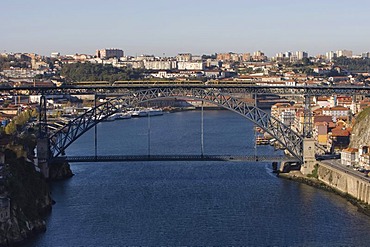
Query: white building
x: 184, y: 57
x: 336, y: 111
x: 160, y: 65
x: 55, y: 55
x: 349, y: 157
x: 301, y: 54
x: 344, y: 53
x: 288, y: 116
x: 191, y: 65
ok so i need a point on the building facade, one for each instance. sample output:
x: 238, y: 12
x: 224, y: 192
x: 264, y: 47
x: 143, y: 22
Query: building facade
x: 109, y: 53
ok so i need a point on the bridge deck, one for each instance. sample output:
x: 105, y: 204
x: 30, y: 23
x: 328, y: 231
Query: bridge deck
x: 130, y: 158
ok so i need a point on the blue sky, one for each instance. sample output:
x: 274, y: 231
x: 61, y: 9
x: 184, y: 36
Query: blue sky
x: 173, y: 26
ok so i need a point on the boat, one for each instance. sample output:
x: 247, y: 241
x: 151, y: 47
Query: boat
x: 137, y: 113
x: 272, y: 141
x: 123, y: 115
x: 145, y: 112
x: 260, y: 140
x: 155, y: 112
x: 110, y: 118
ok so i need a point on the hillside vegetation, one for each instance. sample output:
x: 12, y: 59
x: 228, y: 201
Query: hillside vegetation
x: 98, y: 72
x: 361, y: 130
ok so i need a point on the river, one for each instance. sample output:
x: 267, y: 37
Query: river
x: 191, y: 203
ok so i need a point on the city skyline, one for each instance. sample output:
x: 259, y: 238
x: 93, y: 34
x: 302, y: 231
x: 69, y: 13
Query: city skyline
x: 163, y: 28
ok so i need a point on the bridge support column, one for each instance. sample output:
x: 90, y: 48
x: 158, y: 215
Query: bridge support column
x: 43, y: 145
x: 43, y: 156
x: 308, y: 156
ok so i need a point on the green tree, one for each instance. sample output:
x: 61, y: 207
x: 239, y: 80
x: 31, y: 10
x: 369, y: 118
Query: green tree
x: 10, y: 128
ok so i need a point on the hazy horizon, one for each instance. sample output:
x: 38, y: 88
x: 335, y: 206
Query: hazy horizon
x: 167, y: 28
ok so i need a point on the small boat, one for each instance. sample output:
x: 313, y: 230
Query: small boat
x: 155, y: 112
x: 123, y: 115
x: 262, y: 141
x: 145, y: 112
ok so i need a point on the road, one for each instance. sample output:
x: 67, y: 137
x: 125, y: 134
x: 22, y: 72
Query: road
x: 337, y: 165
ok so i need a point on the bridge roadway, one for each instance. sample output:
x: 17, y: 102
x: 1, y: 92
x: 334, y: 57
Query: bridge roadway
x: 130, y: 158
x: 229, y: 87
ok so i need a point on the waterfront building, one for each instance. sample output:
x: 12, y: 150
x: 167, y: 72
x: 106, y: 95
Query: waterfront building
x: 364, y: 156
x: 349, y: 157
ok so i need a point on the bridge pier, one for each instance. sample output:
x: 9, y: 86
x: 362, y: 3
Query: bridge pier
x: 287, y: 166
x: 43, y: 152
x: 308, y: 156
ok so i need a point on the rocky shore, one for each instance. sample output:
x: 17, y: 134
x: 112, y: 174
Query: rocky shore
x: 29, y: 195
x: 314, y: 182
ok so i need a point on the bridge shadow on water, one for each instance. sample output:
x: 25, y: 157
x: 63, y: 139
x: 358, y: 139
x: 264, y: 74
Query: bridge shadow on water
x: 227, y: 136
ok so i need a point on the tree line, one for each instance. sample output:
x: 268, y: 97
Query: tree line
x: 353, y: 64
x: 98, y: 72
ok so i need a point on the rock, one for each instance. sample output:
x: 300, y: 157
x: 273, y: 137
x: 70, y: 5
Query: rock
x: 361, y: 131
x: 60, y: 170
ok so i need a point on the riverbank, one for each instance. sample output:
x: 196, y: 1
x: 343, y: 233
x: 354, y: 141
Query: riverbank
x: 25, y: 198
x: 297, y: 176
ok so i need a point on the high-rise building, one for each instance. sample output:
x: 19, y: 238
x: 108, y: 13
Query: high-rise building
x: 301, y: 54
x: 259, y: 56
x: 344, y: 53
x: 246, y: 57
x: 331, y: 55
x: 109, y: 53
x: 365, y: 55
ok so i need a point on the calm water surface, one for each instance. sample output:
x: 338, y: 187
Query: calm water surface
x: 191, y: 203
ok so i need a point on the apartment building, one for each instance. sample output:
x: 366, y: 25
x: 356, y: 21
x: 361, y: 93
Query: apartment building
x: 336, y: 111
x: 109, y: 53
x: 190, y: 65
x: 349, y: 157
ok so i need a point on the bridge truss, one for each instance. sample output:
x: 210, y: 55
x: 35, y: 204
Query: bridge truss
x: 66, y: 135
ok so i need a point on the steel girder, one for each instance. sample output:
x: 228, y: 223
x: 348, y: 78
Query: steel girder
x: 229, y: 87
x: 288, y: 138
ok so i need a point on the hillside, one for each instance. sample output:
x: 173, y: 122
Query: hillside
x: 361, y: 130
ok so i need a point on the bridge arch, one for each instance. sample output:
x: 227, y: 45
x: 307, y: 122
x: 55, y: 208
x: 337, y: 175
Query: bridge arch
x: 66, y: 135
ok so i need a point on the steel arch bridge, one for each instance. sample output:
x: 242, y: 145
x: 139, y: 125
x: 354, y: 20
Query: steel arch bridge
x: 67, y: 134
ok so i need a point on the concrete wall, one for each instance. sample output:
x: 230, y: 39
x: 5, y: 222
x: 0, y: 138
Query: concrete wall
x: 357, y: 187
